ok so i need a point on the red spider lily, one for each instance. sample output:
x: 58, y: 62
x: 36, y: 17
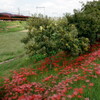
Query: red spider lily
x: 79, y: 96
x: 69, y: 96
x: 47, y: 78
x: 87, y: 81
x: 84, y: 86
x: 91, y: 84
x: 98, y: 72
x: 32, y: 97
x: 86, y: 99
x: 78, y: 90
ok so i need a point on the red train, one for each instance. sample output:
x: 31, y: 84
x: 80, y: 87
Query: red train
x: 8, y: 16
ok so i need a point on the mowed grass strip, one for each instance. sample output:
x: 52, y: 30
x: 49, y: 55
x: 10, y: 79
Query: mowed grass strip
x: 11, y: 26
x: 10, y: 45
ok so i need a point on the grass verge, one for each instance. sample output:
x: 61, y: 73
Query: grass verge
x: 11, y: 46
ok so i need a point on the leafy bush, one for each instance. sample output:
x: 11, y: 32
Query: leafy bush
x: 47, y: 35
x: 69, y: 40
x: 40, y: 39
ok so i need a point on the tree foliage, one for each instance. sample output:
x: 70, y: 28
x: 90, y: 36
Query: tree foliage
x: 87, y: 20
x: 47, y: 35
x: 68, y: 40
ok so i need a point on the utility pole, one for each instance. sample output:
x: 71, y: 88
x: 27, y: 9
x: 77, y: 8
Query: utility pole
x: 55, y: 14
x: 18, y: 11
x: 29, y: 14
x: 38, y: 8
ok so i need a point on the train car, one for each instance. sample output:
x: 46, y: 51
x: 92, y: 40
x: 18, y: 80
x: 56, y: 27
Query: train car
x: 19, y: 16
x: 5, y: 15
x: 8, y: 16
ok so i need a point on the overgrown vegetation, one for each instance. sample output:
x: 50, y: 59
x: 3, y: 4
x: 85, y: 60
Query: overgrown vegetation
x: 59, y: 76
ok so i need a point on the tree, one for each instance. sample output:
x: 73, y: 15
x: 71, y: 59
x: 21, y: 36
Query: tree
x: 87, y: 20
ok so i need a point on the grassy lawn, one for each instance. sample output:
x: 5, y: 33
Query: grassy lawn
x: 10, y: 39
x: 11, y: 26
x: 10, y: 45
x: 13, y: 65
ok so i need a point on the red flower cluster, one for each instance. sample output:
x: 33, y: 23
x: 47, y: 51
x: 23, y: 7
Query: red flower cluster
x: 71, y: 79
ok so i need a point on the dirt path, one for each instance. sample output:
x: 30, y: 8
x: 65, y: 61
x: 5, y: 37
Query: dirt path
x: 7, y: 61
x: 24, y: 31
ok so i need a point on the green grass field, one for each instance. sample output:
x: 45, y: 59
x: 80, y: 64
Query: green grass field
x: 10, y: 39
x: 11, y: 26
x: 11, y: 34
x: 13, y: 65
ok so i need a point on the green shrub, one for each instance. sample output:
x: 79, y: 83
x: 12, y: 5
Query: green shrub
x: 69, y: 39
x: 40, y: 39
x: 47, y: 36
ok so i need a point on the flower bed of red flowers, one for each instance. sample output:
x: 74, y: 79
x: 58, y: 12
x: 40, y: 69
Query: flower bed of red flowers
x: 70, y: 79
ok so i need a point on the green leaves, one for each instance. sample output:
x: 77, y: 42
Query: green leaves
x: 47, y: 35
x: 87, y: 20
